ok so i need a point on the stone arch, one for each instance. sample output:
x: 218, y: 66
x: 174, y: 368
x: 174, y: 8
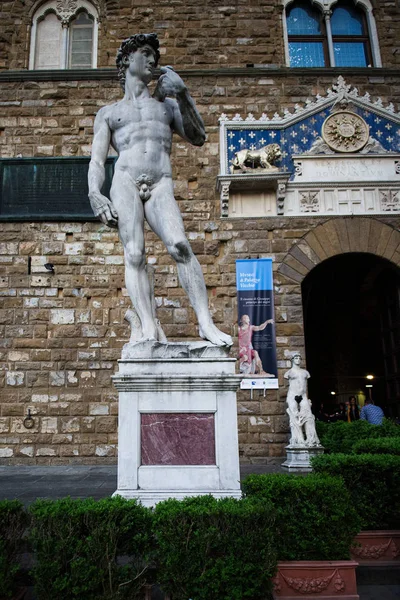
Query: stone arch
x: 339, y: 236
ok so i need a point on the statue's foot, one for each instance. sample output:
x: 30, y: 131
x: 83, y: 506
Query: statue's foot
x: 147, y: 339
x: 149, y: 334
x: 265, y: 374
x: 214, y: 335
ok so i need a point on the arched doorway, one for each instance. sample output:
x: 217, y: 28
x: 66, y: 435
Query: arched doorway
x: 351, y: 309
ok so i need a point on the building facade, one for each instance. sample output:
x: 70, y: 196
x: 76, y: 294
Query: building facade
x: 322, y: 80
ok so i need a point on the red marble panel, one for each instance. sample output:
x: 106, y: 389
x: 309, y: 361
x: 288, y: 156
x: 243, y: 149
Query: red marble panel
x: 177, y: 439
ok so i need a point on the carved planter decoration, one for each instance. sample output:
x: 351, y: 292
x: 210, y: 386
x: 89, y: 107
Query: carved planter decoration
x: 377, y: 548
x: 324, y: 580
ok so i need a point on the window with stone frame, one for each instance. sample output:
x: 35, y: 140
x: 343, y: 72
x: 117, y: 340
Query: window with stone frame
x: 323, y: 33
x: 306, y: 36
x: 350, y: 37
x: 64, y: 35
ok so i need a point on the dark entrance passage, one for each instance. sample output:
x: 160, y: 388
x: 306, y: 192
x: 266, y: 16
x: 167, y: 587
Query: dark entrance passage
x: 351, y: 307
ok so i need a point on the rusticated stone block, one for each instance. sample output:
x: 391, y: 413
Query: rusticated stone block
x: 106, y: 424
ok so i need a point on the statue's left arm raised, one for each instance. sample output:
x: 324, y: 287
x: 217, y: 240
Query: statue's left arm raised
x: 187, y: 121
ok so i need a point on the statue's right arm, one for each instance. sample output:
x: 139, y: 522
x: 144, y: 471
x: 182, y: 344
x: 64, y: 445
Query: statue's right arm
x: 101, y: 205
x: 262, y: 326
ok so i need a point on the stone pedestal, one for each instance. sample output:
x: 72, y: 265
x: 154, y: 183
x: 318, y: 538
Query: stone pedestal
x: 298, y: 458
x: 177, y: 433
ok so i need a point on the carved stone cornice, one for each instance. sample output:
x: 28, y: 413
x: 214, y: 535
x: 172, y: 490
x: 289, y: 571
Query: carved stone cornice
x: 111, y: 73
x: 276, y: 180
x: 340, y: 93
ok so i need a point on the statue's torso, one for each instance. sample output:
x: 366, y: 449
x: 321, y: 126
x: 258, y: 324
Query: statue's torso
x: 245, y: 335
x: 297, y: 381
x: 141, y: 134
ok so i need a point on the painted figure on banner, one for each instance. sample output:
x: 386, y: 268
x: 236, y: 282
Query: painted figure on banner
x: 301, y: 418
x: 140, y: 128
x: 249, y: 358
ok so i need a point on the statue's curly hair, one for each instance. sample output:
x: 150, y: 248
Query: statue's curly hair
x: 131, y: 44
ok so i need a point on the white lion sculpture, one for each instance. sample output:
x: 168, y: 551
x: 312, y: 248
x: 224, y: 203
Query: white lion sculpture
x: 263, y: 158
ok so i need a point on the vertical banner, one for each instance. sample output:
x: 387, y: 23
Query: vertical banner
x: 256, y: 331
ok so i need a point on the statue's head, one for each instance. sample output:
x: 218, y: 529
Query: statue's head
x: 296, y: 358
x: 244, y: 320
x: 132, y: 44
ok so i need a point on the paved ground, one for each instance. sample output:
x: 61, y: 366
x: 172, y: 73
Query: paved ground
x: 30, y: 482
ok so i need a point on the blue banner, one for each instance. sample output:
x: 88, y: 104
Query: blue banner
x: 256, y: 332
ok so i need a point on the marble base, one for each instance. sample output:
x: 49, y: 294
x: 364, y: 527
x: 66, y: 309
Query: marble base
x: 298, y: 459
x: 156, y: 349
x: 177, y: 434
x: 150, y: 499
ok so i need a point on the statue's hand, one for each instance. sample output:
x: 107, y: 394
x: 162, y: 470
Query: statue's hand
x: 169, y: 84
x: 103, y: 208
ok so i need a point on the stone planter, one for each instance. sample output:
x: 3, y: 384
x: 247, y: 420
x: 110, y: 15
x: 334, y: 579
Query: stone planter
x: 377, y: 548
x: 325, y: 580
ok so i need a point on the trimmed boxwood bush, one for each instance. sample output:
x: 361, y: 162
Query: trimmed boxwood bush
x: 377, y: 446
x: 341, y: 436
x: 13, y: 522
x: 315, y: 519
x: 208, y: 548
x: 77, y: 543
x: 373, y: 482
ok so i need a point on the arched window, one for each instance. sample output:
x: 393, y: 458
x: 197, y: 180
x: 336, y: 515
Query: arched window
x: 64, y: 36
x: 306, y: 36
x: 81, y: 41
x: 48, y: 43
x: 332, y: 33
x: 350, y: 36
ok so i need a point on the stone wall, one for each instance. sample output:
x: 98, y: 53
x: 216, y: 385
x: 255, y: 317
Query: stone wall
x: 207, y: 34
x: 61, y: 334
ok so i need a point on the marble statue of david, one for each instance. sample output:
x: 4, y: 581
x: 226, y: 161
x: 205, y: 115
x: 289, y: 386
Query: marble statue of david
x: 140, y: 128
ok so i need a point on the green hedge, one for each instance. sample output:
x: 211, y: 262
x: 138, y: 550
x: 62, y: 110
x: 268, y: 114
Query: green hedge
x: 76, y: 545
x: 373, y: 482
x: 208, y: 548
x: 13, y: 522
x: 341, y: 436
x: 315, y: 518
x: 377, y: 446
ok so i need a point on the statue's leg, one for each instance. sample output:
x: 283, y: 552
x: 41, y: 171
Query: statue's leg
x: 259, y: 365
x: 129, y: 206
x: 164, y: 217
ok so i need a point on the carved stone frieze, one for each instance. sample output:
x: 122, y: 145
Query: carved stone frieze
x: 345, y: 131
x: 373, y: 146
x: 66, y: 9
x: 390, y: 200
x: 371, y: 551
x: 269, y: 187
x: 315, y: 585
x: 298, y: 168
x: 309, y: 201
x: 225, y: 198
x: 280, y: 196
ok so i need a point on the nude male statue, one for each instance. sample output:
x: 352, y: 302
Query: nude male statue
x: 302, y: 420
x: 140, y: 128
